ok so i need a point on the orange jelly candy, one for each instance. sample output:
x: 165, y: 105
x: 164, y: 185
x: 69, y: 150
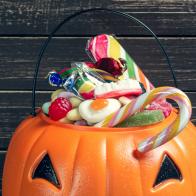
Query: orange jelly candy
x: 99, y: 104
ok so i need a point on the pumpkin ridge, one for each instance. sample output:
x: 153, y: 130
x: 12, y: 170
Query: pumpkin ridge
x: 74, y: 165
x: 35, y: 142
x: 138, y: 160
x: 107, y: 168
x: 190, y: 125
x: 177, y: 141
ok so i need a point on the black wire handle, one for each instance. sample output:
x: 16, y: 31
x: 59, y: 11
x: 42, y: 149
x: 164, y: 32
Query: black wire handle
x: 132, y: 18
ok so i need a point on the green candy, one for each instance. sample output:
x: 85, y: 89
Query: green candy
x: 147, y: 117
x: 80, y: 82
x: 45, y: 107
x: 68, y: 72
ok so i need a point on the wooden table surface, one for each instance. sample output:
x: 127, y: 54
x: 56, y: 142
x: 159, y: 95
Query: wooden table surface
x: 24, y: 25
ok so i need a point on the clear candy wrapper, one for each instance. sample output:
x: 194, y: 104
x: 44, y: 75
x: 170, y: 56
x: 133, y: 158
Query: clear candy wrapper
x: 80, y: 79
x: 96, y: 89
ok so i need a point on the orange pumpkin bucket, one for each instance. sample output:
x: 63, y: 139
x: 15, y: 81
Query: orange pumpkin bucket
x: 47, y: 157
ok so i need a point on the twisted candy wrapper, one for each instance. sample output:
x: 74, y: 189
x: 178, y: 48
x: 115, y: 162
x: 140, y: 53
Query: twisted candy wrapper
x: 141, y: 102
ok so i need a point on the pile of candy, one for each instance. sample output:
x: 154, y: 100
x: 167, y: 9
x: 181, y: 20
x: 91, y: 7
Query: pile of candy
x: 90, y: 92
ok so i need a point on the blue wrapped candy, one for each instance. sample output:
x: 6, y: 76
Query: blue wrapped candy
x: 55, y: 79
x: 69, y: 84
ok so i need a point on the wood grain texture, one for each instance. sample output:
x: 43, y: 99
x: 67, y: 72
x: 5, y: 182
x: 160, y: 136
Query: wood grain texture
x: 39, y: 17
x: 2, y: 159
x: 24, y: 26
x: 19, y: 55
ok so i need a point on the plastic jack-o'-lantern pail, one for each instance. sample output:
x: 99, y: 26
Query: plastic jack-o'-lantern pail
x: 54, y: 159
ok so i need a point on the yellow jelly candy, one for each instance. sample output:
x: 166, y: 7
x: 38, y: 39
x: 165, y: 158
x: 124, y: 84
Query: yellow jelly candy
x: 75, y: 101
x: 74, y: 115
x: 56, y: 93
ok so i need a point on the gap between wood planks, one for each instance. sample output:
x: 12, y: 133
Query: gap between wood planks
x: 7, y: 36
x: 72, y: 36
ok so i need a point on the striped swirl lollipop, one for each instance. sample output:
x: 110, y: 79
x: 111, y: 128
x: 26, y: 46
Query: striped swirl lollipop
x: 103, y: 46
x: 141, y: 102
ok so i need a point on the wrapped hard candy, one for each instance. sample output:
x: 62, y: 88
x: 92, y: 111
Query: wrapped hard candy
x: 55, y: 79
x: 85, y: 87
x: 110, y: 65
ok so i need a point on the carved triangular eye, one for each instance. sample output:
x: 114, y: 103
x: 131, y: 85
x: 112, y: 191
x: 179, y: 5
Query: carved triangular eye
x: 46, y: 171
x: 168, y: 170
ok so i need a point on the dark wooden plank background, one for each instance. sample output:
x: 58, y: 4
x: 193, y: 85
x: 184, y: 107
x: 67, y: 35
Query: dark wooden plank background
x: 24, y: 25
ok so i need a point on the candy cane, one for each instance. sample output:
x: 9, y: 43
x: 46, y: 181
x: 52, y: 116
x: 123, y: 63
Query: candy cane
x: 141, y: 102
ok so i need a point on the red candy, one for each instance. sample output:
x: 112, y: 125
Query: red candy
x: 89, y: 64
x: 88, y: 95
x: 110, y: 65
x: 161, y: 105
x: 59, y: 108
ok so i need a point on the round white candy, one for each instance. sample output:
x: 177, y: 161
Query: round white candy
x: 45, y: 107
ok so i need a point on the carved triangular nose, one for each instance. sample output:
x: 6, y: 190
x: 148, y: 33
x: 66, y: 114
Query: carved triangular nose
x: 45, y: 170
